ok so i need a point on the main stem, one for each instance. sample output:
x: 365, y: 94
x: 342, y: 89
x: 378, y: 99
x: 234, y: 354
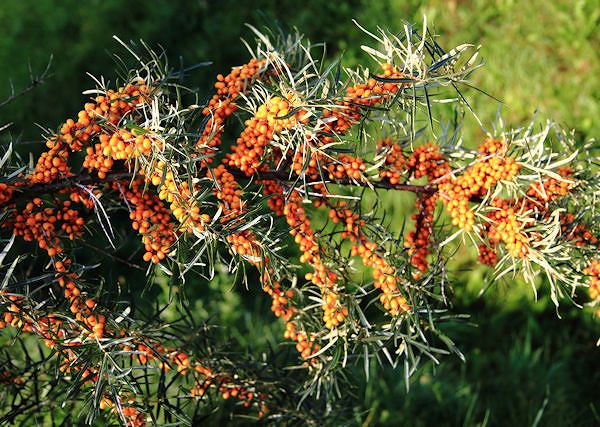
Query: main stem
x: 26, y: 191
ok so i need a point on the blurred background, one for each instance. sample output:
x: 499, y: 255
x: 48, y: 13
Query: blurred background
x: 524, y: 365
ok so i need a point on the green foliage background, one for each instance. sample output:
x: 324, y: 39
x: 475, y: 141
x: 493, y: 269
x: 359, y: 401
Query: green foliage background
x: 524, y: 365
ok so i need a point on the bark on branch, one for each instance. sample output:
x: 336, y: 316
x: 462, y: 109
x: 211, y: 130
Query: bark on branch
x: 25, y: 191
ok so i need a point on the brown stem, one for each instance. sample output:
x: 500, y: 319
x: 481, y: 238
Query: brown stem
x: 27, y: 191
x: 285, y: 177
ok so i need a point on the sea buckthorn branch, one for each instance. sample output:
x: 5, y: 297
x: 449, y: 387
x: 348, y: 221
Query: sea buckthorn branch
x: 55, y: 332
x: 425, y: 161
x: 149, y: 352
x: 284, y: 178
x: 384, y: 275
x: 338, y: 170
x: 260, y: 131
x: 34, y: 82
x: 306, y: 141
x: 117, y: 148
x: 22, y: 190
x: 537, y: 202
x: 246, y: 244
x: 511, y: 236
x: 401, y: 297
x: 329, y: 296
x: 18, y: 190
x: 477, y: 180
x: 525, y: 216
x: 418, y: 241
x: 150, y: 218
x: 358, y: 97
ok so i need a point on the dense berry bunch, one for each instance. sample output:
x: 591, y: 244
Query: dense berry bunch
x: 506, y: 227
x: 150, y: 218
x: 348, y: 167
x: 491, y: 166
x: 487, y: 255
x: 322, y: 276
x: 222, y: 104
x: 394, y: 161
x: 417, y: 242
x: 385, y: 278
x: 43, y: 223
x: 271, y: 118
x: 426, y: 160
x: 540, y: 194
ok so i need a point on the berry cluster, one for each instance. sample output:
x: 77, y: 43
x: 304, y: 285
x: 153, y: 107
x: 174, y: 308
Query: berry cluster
x: 351, y: 221
x: 102, y: 118
x: 384, y: 277
x: 491, y: 166
x: 509, y: 220
x: 347, y: 167
x: 53, y: 329
x: 133, y: 416
x: 120, y: 145
x: 182, y: 203
x: 417, y: 241
x: 322, y: 276
x: 487, y: 255
x: 540, y: 194
x: 274, y: 192
x: 222, y: 104
x: 48, y: 225
x: 228, y: 191
x: 394, y: 161
x: 52, y: 165
x: 150, y: 218
x: 307, y: 159
x: 203, y: 377
x: 6, y: 193
x: 245, y: 243
x: 506, y: 227
x: 107, y: 109
x: 80, y: 305
x: 14, y: 316
x: 426, y: 160
x: 271, y: 118
x: 359, y: 97
x: 283, y: 308
x: 578, y: 234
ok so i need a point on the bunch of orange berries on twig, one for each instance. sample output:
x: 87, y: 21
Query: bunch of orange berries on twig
x: 310, y: 156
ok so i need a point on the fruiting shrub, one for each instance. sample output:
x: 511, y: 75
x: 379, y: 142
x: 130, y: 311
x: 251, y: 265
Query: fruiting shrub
x: 323, y: 161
